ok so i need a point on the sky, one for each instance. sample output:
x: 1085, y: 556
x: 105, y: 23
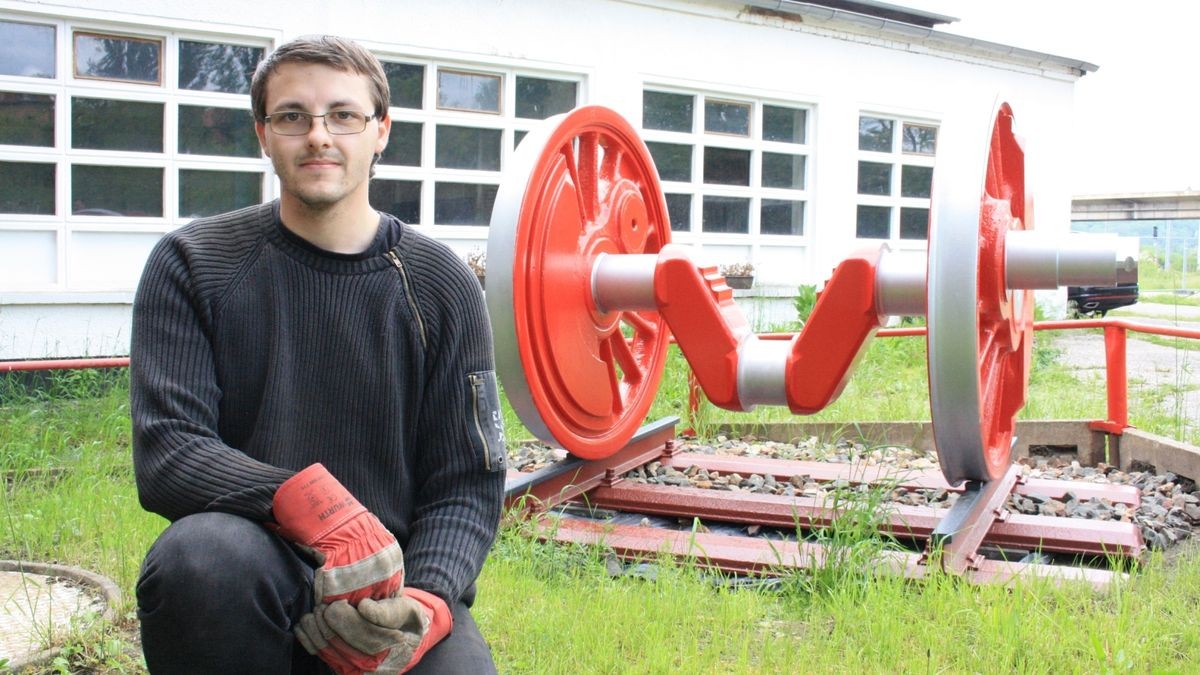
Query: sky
x: 1138, y: 117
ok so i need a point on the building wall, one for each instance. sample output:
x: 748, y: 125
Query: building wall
x: 66, y: 278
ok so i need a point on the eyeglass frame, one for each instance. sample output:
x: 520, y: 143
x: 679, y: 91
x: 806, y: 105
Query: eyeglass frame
x: 324, y: 120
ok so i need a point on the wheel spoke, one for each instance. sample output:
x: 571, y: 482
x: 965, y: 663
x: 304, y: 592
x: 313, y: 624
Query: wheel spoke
x: 624, y: 357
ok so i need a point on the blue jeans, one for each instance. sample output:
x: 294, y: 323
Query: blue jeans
x: 220, y: 594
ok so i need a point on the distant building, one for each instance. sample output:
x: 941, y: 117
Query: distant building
x: 786, y: 133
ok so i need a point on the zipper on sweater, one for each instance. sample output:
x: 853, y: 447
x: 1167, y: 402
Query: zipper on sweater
x: 412, y: 303
x: 475, y: 388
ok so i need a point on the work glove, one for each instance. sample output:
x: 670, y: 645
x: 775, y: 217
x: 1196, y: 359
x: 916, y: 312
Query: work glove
x: 357, y: 555
x: 384, y: 636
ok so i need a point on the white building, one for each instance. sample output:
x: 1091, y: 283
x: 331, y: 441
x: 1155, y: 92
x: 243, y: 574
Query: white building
x: 786, y: 133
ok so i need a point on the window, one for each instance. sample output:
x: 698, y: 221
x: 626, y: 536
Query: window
x: 729, y: 166
x: 895, y: 174
x: 454, y: 128
x: 109, y: 137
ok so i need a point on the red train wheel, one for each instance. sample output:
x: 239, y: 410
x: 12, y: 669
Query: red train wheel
x: 582, y: 185
x: 980, y: 332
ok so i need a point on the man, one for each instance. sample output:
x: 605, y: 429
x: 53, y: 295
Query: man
x: 312, y: 393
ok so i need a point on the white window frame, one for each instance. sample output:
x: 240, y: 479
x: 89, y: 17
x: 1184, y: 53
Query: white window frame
x: 897, y: 159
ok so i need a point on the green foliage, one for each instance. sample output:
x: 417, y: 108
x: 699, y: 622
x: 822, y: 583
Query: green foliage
x: 806, y: 299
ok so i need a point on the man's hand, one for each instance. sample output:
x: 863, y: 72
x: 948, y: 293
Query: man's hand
x: 385, y: 636
x: 359, y: 558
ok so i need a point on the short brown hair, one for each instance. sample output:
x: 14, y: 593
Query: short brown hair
x: 329, y: 50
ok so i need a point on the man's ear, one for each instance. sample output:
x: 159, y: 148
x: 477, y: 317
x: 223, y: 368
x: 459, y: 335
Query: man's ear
x: 385, y: 132
x: 261, y: 130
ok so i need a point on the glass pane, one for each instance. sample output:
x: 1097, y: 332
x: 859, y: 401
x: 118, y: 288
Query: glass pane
x: 679, y: 210
x: 874, y: 178
x: 463, y: 203
x: 669, y: 112
x: 673, y: 161
x: 27, y: 188
x: 782, y: 216
x: 914, y: 223
x: 726, y: 166
x: 783, y: 171
x: 468, y: 91
x: 919, y: 140
x: 26, y: 119
x: 538, y: 99
x: 786, y: 125
x: 105, y: 124
x: 518, y: 136
x: 26, y: 49
x: 207, y: 193
x: 406, y: 81
x: 404, y: 145
x: 468, y: 148
x: 874, y: 222
x: 726, y: 214
x: 116, y: 191
x: 915, y: 181
x: 874, y: 134
x: 401, y: 198
x: 723, y: 117
x: 217, y: 131
x: 209, y: 66
x: 117, y: 58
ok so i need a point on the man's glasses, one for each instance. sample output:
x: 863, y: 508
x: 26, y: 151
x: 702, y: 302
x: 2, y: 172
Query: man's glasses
x: 297, y: 123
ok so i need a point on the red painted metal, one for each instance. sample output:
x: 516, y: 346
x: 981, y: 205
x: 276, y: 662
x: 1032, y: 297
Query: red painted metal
x: 1064, y: 535
x: 64, y: 364
x: 707, y: 325
x: 1116, y: 381
x: 594, y: 190
x: 783, y: 469
x: 835, y: 336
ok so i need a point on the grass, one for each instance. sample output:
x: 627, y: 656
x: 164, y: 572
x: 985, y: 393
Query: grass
x: 69, y: 497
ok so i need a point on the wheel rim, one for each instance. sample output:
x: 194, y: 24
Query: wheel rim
x: 582, y: 185
x: 980, y: 332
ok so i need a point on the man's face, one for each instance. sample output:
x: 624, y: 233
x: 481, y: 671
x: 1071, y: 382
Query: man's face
x: 320, y: 169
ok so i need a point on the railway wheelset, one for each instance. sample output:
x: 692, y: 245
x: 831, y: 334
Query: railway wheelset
x: 586, y: 291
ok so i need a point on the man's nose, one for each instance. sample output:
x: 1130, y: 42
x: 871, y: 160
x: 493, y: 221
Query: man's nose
x: 318, y: 134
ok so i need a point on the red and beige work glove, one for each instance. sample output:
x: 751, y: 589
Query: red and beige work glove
x: 378, y: 636
x: 358, y: 557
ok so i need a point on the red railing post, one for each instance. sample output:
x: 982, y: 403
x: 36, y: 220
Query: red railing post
x: 1117, y: 380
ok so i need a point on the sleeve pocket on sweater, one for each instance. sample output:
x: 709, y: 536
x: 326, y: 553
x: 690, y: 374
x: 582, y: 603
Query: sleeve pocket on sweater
x: 484, y: 421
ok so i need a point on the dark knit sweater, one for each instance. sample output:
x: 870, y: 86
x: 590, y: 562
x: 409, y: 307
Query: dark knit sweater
x: 255, y: 354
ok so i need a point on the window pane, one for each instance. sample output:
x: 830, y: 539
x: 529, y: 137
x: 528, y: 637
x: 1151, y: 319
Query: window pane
x: 673, y: 161
x: 915, y: 181
x: 208, y: 66
x: 914, y: 223
x: 217, y: 131
x: 874, y: 178
x: 27, y: 188
x: 401, y: 198
x: 726, y: 166
x: 105, y: 124
x: 783, y: 171
x: 406, y: 81
x: 874, y: 134
x: 117, y: 58
x: 26, y: 119
x: 679, y: 210
x: 463, y: 203
x: 404, y: 145
x: 919, y: 140
x: 468, y: 91
x: 786, y: 125
x: 207, y: 193
x: 726, y: 214
x: 669, y: 112
x: 468, y: 148
x: 538, y: 99
x: 26, y: 49
x: 518, y: 136
x: 723, y: 117
x: 874, y: 222
x: 116, y: 191
x: 782, y: 216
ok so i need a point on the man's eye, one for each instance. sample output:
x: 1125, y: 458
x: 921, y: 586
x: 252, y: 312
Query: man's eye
x: 344, y: 115
x: 292, y: 117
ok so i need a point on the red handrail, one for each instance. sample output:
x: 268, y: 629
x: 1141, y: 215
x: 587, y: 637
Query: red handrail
x: 64, y: 364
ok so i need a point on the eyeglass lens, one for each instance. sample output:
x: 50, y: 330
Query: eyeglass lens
x: 297, y: 123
